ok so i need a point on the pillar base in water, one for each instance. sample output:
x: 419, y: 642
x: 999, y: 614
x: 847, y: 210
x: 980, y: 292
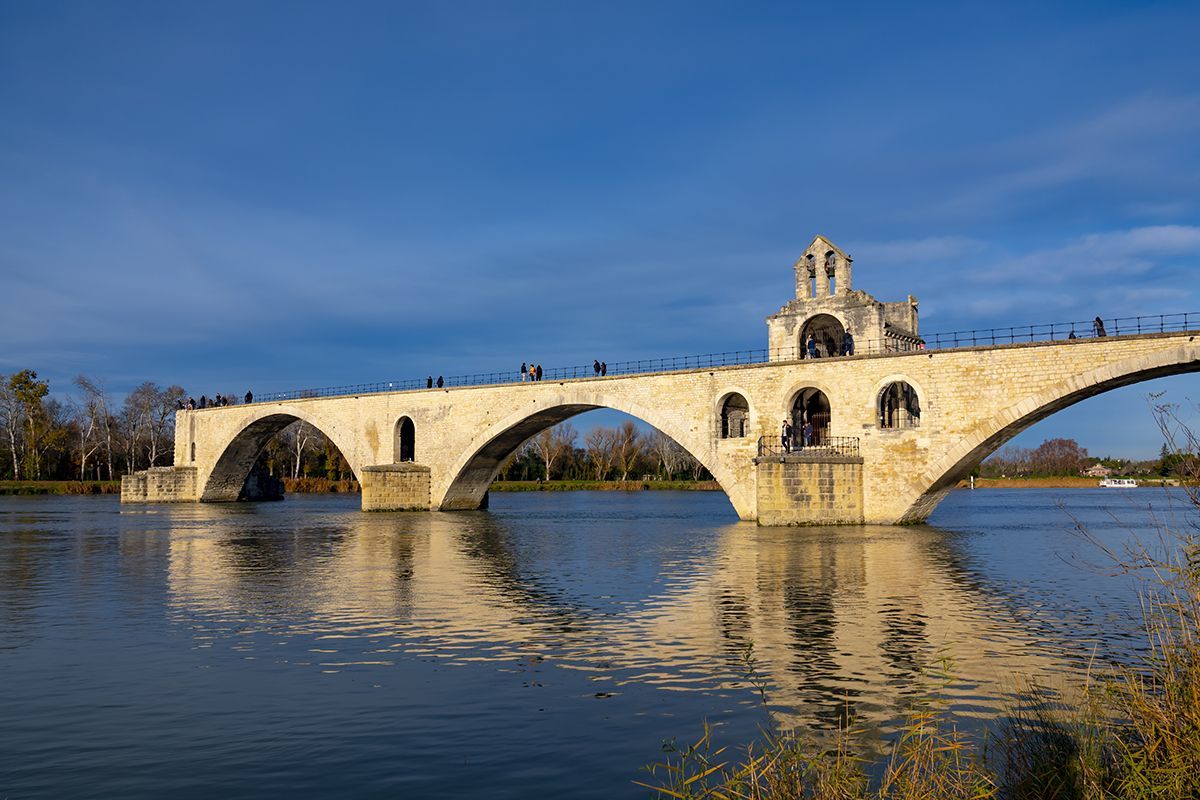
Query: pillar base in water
x: 395, y: 487
x: 806, y: 490
x: 160, y: 485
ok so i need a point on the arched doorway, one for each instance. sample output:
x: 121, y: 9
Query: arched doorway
x: 811, y: 406
x: 827, y: 333
x: 406, y: 440
x: 735, y: 417
x: 899, y: 406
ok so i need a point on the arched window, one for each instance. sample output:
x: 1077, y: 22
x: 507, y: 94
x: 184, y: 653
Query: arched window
x: 735, y: 417
x: 810, y: 261
x: 830, y: 276
x: 406, y: 436
x: 810, y: 407
x: 827, y: 333
x: 899, y: 406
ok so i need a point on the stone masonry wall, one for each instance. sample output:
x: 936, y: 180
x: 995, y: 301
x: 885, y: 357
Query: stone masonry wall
x: 395, y: 487
x: 806, y: 492
x: 160, y: 485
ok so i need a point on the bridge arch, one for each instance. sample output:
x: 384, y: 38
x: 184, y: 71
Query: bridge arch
x: 986, y: 438
x: 467, y: 481
x: 733, y: 415
x: 898, y: 404
x: 236, y: 453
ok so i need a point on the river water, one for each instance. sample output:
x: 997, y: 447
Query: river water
x: 547, y: 647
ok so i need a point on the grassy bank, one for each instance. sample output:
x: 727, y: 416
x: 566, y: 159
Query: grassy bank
x: 59, y: 487
x: 1054, y: 482
x: 604, y: 486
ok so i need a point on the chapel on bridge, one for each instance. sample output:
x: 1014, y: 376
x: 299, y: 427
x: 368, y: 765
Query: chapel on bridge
x: 826, y: 306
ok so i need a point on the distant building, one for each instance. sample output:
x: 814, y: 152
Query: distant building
x: 1097, y: 471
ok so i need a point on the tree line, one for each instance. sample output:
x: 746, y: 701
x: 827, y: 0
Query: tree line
x: 1059, y: 457
x: 86, y: 436
x: 622, y: 453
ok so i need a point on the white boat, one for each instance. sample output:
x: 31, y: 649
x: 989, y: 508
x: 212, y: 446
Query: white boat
x: 1118, y: 483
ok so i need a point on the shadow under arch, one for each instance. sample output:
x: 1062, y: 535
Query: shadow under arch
x: 967, y: 453
x: 476, y: 470
x: 228, y: 476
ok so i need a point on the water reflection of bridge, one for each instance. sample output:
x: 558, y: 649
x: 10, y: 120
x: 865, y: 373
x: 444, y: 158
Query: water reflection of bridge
x: 843, y: 620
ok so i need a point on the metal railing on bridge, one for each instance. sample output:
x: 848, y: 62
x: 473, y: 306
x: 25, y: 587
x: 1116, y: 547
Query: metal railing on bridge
x: 824, y: 446
x: 983, y: 337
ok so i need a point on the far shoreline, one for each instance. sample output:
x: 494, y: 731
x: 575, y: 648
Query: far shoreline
x: 1057, y: 482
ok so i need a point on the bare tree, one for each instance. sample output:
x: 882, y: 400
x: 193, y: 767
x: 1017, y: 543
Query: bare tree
x: 668, y: 452
x: 95, y: 423
x: 12, y: 421
x: 304, y: 437
x: 628, y: 448
x: 553, y: 443
x: 601, y: 443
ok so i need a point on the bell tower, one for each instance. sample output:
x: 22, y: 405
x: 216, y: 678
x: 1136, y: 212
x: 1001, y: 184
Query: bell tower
x: 840, y: 319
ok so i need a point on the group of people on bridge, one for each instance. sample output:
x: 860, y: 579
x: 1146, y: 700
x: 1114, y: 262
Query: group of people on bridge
x: 792, y: 439
x: 810, y: 346
x: 218, y: 401
x: 531, y: 371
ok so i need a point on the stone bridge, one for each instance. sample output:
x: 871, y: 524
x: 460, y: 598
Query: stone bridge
x: 439, y: 449
x: 887, y: 432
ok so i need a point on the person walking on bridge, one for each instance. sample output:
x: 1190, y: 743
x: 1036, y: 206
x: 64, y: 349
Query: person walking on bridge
x: 786, y: 436
x: 441, y: 382
x: 523, y: 369
x: 532, y: 372
x: 539, y: 372
x: 847, y: 344
x: 1098, y: 327
x: 603, y: 368
x: 811, y: 346
x: 249, y: 397
x: 596, y: 367
x: 429, y: 382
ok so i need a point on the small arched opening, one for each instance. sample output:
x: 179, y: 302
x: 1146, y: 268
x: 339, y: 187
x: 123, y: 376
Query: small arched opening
x: 827, y: 334
x: 735, y: 417
x: 810, y: 407
x: 405, y: 440
x: 810, y: 263
x: 830, y: 275
x: 899, y: 406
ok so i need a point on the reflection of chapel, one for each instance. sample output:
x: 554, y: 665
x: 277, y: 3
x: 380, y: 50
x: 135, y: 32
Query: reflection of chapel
x: 827, y: 307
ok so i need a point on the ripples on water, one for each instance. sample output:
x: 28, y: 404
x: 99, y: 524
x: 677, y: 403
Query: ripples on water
x: 547, y: 647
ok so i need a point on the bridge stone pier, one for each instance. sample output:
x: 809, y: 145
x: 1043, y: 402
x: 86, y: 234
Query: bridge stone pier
x: 919, y: 420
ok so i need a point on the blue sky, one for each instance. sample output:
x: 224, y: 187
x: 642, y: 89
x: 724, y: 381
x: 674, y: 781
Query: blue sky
x: 283, y: 195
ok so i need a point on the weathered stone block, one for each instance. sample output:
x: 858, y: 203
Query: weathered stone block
x: 403, y: 486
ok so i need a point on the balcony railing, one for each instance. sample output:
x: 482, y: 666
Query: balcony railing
x: 769, y: 446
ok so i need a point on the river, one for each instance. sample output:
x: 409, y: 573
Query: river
x: 547, y: 647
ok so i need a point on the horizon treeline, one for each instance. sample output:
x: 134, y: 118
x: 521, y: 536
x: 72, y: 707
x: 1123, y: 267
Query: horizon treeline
x: 87, y: 435
x: 1060, y: 457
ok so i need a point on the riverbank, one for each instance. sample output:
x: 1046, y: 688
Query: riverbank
x: 1056, y: 482
x: 59, y: 487
x: 605, y: 486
